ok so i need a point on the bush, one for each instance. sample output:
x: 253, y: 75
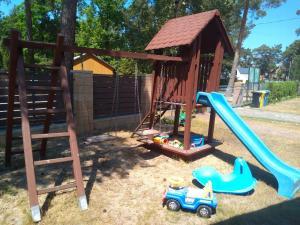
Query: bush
x: 282, y: 89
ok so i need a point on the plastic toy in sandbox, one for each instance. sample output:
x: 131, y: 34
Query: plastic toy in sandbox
x: 182, y: 117
x: 240, y: 181
x: 202, y: 201
x: 177, y: 141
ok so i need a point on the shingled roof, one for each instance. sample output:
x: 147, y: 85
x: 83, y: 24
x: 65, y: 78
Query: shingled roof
x: 183, y: 31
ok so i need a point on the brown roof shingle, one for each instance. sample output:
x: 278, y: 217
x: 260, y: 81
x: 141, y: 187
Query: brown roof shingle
x: 182, y: 30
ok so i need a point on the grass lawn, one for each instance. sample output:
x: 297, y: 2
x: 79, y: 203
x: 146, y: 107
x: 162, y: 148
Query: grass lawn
x: 289, y: 106
x: 124, y: 184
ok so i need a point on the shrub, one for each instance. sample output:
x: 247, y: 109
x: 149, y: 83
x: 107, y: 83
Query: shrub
x: 282, y: 89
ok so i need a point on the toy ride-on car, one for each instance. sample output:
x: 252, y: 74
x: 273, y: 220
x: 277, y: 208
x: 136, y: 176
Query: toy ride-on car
x: 202, y: 201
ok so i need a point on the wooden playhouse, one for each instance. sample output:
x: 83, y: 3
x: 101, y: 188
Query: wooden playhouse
x: 201, y: 40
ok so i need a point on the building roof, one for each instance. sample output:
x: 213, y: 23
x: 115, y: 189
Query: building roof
x: 83, y: 57
x: 184, y: 30
x: 243, y: 70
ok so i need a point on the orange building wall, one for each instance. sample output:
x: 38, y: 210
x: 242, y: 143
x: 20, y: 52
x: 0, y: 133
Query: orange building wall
x: 93, y: 65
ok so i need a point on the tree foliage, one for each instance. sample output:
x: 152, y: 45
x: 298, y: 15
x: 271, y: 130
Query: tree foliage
x: 125, y: 24
x: 267, y: 58
x: 291, y: 60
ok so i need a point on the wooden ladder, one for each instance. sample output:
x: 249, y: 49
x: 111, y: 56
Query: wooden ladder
x: 58, y: 71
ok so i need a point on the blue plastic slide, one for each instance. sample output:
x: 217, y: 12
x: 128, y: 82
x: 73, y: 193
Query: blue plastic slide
x: 240, y: 181
x: 288, y: 177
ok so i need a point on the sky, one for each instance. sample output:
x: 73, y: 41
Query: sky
x: 275, y: 31
x: 277, y: 27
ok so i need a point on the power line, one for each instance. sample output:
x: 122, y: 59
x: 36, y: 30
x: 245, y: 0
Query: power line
x: 279, y: 21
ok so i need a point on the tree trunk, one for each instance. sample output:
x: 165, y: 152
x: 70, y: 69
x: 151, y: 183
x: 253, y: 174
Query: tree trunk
x: 237, y: 52
x: 68, y: 23
x: 28, y: 18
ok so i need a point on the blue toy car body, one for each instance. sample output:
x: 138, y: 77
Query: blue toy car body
x: 201, y: 200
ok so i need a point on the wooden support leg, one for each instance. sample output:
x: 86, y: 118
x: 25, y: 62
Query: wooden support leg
x: 187, y: 128
x: 73, y: 139
x: 30, y: 174
x: 176, y: 120
x: 211, y: 127
x: 13, y: 57
x: 191, y: 92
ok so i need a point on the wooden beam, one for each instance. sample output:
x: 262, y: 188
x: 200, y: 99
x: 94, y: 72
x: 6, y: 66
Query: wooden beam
x: 211, y: 126
x: 96, y: 51
x: 13, y: 58
x: 71, y: 130
x: 26, y: 133
x: 57, y: 188
x: 215, y: 72
x: 50, y: 135
x: 53, y: 161
x: 155, y: 74
x: 191, y: 88
x: 176, y: 119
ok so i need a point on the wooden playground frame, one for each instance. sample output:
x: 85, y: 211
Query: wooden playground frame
x: 176, y: 79
x: 58, y: 72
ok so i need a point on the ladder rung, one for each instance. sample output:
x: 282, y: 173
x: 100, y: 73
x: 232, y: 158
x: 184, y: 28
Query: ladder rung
x: 39, y: 66
x: 52, y: 161
x: 50, y: 135
x: 44, y: 111
x: 56, y: 188
x: 44, y: 88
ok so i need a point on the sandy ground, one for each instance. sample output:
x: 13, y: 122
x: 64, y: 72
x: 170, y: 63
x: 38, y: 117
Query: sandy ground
x: 124, y: 183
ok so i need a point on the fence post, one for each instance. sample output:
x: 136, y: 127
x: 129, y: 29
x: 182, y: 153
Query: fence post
x: 146, y: 92
x: 83, y: 101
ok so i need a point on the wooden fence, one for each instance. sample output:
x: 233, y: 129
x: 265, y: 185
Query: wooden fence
x: 112, y: 96
x: 117, y: 95
x: 37, y: 99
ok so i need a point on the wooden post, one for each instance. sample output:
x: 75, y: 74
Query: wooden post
x: 191, y: 87
x: 72, y: 137
x: 27, y: 146
x: 154, y: 93
x: 176, y: 120
x: 215, y: 72
x: 211, y: 126
x: 13, y: 58
x: 213, y: 84
x: 83, y: 101
x: 146, y: 94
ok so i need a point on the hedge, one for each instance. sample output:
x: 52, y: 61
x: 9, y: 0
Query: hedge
x: 282, y: 89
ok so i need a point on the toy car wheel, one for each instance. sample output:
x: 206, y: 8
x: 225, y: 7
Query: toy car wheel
x: 173, y: 205
x: 204, y: 211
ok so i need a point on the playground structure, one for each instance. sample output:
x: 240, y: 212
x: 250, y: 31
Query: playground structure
x: 202, y: 39
x: 198, y: 41
x: 182, y: 76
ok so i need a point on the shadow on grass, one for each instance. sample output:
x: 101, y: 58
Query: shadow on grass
x: 98, y: 160
x: 116, y: 159
x: 286, y: 213
x: 257, y: 172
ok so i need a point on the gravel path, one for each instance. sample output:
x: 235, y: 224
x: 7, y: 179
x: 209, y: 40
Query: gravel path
x: 257, y: 113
